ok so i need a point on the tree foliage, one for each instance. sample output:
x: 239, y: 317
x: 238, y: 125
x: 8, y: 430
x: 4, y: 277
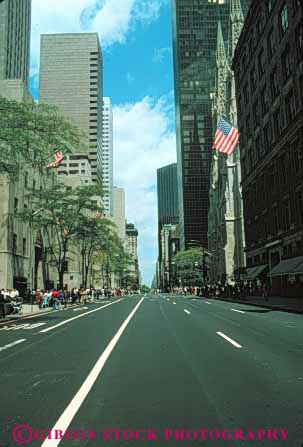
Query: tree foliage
x: 189, y: 263
x: 30, y: 134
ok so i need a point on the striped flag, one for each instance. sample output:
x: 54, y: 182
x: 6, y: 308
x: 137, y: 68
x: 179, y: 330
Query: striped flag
x: 227, y: 137
x: 58, y: 160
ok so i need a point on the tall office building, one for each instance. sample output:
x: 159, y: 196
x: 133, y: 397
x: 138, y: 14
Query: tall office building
x: 119, y: 217
x: 107, y: 156
x: 15, y: 31
x: 167, y: 189
x: 71, y: 78
x: 195, y: 39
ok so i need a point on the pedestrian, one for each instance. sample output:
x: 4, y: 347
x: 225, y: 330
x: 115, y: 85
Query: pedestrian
x: 55, y: 299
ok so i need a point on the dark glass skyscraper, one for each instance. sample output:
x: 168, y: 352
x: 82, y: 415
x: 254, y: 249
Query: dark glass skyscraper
x: 167, y: 187
x: 195, y: 25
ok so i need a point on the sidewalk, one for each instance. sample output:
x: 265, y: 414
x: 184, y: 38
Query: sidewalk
x: 294, y: 305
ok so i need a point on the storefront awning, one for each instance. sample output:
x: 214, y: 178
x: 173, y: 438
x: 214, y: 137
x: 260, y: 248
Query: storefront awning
x: 291, y: 266
x: 252, y: 273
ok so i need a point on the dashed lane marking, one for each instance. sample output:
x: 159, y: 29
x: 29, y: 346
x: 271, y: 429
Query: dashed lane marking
x: 10, y: 345
x: 230, y: 340
x: 236, y: 310
x: 186, y: 311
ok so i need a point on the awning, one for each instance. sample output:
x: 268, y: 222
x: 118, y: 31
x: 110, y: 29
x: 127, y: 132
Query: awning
x: 291, y: 266
x: 252, y: 273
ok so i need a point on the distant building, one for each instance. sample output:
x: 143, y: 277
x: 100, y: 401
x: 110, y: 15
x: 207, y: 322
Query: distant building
x: 107, y: 156
x: 195, y: 29
x: 15, y: 32
x: 170, y: 245
x: 132, y: 248
x: 71, y: 78
x: 119, y: 216
x: 268, y: 67
x: 167, y: 191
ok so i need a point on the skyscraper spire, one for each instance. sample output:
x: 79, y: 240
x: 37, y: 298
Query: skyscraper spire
x: 236, y: 23
x: 221, y: 53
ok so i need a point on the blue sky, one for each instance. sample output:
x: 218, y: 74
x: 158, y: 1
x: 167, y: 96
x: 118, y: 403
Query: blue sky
x: 135, y: 37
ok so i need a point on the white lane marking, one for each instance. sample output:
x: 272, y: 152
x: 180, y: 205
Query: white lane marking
x: 186, y: 311
x: 207, y: 302
x: 233, y: 342
x: 80, y: 308
x: 3, y: 348
x: 78, y: 316
x: 240, y: 311
x: 174, y: 302
x: 17, y: 327
x: 71, y: 410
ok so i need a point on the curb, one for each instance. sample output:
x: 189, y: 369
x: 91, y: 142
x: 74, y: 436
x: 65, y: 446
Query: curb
x: 264, y: 306
x: 25, y: 317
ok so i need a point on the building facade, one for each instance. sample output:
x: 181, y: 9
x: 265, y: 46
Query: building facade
x: 15, y: 32
x: 268, y: 67
x: 170, y: 244
x: 107, y: 156
x: 132, y: 249
x: 119, y: 216
x: 225, y: 217
x: 167, y: 192
x: 71, y: 78
x: 195, y: 40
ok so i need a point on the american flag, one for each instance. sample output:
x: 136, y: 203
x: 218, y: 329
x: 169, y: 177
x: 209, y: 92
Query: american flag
x: 58, y: 160
x: 227, y: 137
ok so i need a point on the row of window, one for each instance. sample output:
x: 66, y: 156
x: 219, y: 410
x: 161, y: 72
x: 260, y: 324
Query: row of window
x: 277, y: 220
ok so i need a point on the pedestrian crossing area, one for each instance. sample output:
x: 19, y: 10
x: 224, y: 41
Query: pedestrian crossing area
x: 25, y: 326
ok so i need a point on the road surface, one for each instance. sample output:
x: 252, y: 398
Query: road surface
x: 153, y: 370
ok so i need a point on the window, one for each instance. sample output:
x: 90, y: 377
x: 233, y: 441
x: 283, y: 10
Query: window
x: 267, y: 137
x: 14, y: 248
x: 284, y: 18
x: 261, y: 63
x: 286, y: 215
x: 24, y: 246
x: 264, y: 103
x: 274, y: 84
x: 286, y: 63
x: 25, y: 179
x: 290, y: 106
x: 65, y: 266
x: 259, y: 150
x: 271, y: 43
x: 277, y: 123
x: 16, y: 204
x: 299, y: 42
x: 255, y: 114
x: 253, y: 81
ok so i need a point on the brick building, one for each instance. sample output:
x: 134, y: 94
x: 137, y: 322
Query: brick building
x: 268, y: 67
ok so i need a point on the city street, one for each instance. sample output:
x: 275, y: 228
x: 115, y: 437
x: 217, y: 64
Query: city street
x: 157, y: 362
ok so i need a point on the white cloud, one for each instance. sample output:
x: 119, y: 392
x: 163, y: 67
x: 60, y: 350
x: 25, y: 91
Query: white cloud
x: 144, y: 140
x: 112, y: 19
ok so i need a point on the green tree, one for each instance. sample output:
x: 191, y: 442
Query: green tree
x: 60, y: 215
x: 190, y: 264
x: 30, y: 134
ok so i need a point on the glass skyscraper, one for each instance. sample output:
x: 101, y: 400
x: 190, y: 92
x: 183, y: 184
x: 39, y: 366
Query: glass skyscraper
x: 195, y: 25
